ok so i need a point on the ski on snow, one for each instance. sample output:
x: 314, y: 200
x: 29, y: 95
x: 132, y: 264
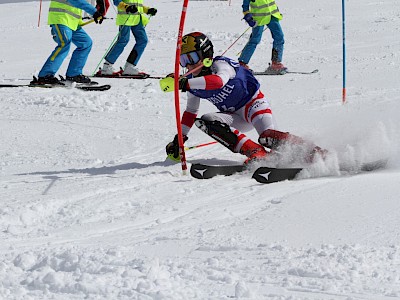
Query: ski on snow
x: 287, y: 72
x: 49, y: 86
x: 119, y: 75
x: 269, y: 175
x: 262, y: 174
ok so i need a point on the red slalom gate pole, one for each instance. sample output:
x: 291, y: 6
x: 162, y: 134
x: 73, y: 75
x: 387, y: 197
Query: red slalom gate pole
x: 176, y: 87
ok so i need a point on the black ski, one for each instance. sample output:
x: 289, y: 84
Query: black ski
x: 49, y: 86
x: 270, y: 175
x: 262, y: 175
x: 104, y: 87
x: 287, y: 72
x: 201, y: 171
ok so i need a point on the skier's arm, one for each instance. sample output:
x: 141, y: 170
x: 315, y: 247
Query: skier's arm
x: 246, y: 6
x: 190, y: 113
x: 82, y: 4
x: 223, y: 72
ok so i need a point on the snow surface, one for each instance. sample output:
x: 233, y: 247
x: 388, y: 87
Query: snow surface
x: 90, y: 208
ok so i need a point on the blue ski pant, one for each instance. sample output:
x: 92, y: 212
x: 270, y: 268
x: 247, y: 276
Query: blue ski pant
x: 255, y: 38
x: 64, y: 36
x: 141, y: 39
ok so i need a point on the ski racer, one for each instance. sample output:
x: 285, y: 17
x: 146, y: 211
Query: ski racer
x: 65, y: 20
x: 257, y: 14
x: 131, y: 18
x: 236, y: 93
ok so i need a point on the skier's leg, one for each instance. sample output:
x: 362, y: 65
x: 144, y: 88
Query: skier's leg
x: 62, y: 35
x: 220, y: 127
x: 118, y: 48
x: 83, y: 44
x: 278, y: 39
x: 251, y: 45
x: 140, y: 35
x: 276, y: 65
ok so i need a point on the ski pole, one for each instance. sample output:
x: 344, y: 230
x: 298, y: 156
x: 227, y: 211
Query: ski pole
x: 201, y: 145
x: 109, y: 47
x: 167, y: 84
x: 235, y: 41
x: 40, y: 12
x: 87, y: 22
x: 92, y: 20
x: 171, y: 156
x: 207, y: 62
x: 239, y: 53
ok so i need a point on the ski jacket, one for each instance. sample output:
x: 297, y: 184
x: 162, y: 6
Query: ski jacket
x: 124, y: 18
x: 68, y: 12
x: 235, y: 93
x: 229, y: 88
x: 262, y: 10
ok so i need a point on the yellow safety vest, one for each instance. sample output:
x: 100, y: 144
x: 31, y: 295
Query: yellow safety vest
x: 123, y: 18
x: 61, y: 12
x: 262, y: 10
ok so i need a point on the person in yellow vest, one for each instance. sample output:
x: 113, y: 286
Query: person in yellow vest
x: 132, y: 16
x: 257, y: 14
x: 65, y: 18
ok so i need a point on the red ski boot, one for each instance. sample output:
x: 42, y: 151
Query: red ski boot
x: 274, y: 139
x: 253, y: 151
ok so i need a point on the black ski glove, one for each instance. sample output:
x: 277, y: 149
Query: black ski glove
x: 172, y: 148
x: 152, y: 11
x: 131, y: 9
x: 98, y: 17
x: 183, y: 84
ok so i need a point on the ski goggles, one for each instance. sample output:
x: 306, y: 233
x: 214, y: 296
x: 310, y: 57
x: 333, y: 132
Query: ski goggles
x: 190, y: 58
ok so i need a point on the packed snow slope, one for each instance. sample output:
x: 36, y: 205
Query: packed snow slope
x: 91, y: 209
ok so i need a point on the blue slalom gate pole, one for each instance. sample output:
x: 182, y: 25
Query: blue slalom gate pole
x: 344, y: 52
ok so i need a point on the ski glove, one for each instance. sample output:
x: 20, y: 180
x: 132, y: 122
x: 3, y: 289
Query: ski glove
x: 98, y: 17
x: 172, y: 148
x: 183, y: 84
x: 131, y: 9
x: 167, y: 84
x: 249, y: 19
x: 152, y: 11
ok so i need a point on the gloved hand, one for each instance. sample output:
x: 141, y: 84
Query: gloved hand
x: 98, y: 17
x: 172, y: 148
x: 131, y: 9
x: 183, y: 84
x: 152, y: 11
x: 167, y: 84
x: 249, y: 19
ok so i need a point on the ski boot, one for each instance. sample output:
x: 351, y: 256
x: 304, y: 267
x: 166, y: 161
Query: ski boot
x: 80, y: 79
x: 253, y: 151
x: 46, y: 80
x: 274, y: 139
x: 130, y: 69
x: 107, y: 69
x: 276, y: 67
